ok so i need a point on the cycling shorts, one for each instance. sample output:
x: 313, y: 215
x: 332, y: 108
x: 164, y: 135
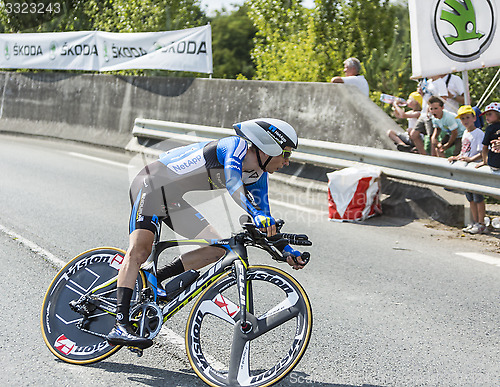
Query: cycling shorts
x: 155, y: 198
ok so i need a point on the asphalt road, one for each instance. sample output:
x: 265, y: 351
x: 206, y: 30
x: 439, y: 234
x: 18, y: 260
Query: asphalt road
x: 395, y: 303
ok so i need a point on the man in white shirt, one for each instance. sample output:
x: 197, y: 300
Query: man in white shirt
x: 456, y: 91
x: 352, y: 68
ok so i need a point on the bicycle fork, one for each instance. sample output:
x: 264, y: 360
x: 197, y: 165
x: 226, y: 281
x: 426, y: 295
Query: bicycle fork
x: 244, y: 296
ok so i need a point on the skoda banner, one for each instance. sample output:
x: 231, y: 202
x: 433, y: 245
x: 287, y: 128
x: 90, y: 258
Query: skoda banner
x: 453, y: 35
x: 183, y: 50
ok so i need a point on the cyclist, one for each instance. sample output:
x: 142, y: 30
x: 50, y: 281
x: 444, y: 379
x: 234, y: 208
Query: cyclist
x: 156, y: 195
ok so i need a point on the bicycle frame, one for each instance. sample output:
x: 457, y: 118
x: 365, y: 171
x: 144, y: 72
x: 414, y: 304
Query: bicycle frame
x: 236, y: 255
x: 224, y: 297
x: 235, y: 258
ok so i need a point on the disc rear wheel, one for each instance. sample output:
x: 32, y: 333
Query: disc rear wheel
x: 79, y: 308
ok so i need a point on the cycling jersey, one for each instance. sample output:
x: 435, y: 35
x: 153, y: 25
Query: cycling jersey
x: 156, y: 192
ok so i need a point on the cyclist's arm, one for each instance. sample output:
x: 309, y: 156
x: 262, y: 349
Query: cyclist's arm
x: 260, y: 193
x: 231, y: 153
x: 295, y: 258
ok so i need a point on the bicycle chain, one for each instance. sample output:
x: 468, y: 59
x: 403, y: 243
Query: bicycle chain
x: 91, y: 332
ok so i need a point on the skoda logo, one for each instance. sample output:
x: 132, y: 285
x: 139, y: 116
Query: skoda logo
x: 53, y: 49
x: 463, y: 29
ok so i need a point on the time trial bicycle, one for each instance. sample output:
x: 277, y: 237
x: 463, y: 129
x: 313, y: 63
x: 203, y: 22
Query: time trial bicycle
x: 249, y: 326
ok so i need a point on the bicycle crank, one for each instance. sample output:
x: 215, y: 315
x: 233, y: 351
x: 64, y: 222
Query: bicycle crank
x: 147, y: 317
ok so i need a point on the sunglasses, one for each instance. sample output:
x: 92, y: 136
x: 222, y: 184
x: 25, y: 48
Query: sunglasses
x: 286, y: 154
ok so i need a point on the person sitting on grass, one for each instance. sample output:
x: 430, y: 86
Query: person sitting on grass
x: 402, y: 140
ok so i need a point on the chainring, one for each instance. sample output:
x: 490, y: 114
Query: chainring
x: 147, y: 318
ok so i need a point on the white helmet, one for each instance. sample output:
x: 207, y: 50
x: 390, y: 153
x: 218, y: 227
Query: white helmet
x: 270, y: 135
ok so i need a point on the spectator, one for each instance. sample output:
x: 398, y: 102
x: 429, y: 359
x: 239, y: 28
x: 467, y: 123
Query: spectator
x: 352, y: 68
x: 455, y: 88
x: 423, y: 127
x: 452, y: 128
x: 472, y: 141
x: 495, y: 146
x: 479, y: 123
x: 402, y: 140
x: 491, y: 137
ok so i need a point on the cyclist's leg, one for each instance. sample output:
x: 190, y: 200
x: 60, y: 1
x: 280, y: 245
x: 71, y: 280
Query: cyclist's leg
x: 188, y: 222
x: 140, y: 244
x: 137, y: 253
x: 196, y: 259
x: 144, y: 225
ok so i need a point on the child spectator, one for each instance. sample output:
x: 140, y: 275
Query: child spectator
x: 492, y: 133
x: 472, y: 144
x: 452, y: 128
x: 495, y: 146
x: 402, y: 140
x: 479, y: 120
x: 427, y: 88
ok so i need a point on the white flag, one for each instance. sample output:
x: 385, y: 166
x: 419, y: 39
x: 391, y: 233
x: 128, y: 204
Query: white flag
x: 453, y: 35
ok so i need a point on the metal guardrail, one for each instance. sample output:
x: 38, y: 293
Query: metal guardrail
x: 406, y: 166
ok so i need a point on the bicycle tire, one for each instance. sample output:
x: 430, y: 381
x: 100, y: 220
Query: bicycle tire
x: 213, y: 326
x: 86, y: 271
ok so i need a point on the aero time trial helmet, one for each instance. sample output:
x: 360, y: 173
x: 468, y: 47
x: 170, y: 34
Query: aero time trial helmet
x: 270, y: 135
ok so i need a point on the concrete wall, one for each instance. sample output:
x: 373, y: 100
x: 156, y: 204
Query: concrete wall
x: 101, y: 108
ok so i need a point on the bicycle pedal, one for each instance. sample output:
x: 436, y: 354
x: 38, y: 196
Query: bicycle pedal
x: 138, y: 351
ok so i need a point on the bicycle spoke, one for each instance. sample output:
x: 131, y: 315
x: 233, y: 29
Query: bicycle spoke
x: 271, y: 322
x: 239, y: 367
x: 221, y: 307
x: 290, y: 301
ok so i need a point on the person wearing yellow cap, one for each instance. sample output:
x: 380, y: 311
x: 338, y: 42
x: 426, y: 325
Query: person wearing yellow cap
x: 402, y: 140
x: 472, y: 145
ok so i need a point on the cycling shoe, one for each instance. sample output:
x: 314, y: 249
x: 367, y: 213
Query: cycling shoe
x: 123, y: 334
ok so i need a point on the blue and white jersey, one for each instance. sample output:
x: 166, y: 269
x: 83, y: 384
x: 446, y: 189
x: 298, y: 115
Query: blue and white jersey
x: 216, y: 165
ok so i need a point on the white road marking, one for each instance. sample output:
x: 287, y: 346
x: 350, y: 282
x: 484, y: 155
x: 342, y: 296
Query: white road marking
x: 58, y: 262
x: 100, y: 160
x: 177, y: 340
x: 481, y: 258
x: 168, y: 334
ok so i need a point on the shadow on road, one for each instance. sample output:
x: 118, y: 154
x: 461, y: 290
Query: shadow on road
x: 150, y: 376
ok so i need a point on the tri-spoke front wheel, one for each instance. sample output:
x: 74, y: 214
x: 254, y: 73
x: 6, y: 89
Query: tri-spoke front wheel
x: 267, y: 348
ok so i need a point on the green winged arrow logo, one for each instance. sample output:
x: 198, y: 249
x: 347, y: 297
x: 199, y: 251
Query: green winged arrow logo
x: 463, y: 19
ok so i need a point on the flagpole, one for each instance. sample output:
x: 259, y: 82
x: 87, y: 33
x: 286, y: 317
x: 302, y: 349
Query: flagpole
x: 465, y: 79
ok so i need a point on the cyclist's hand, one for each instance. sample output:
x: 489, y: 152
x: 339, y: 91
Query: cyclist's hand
x: 265, y: 224
x: 294, y: 258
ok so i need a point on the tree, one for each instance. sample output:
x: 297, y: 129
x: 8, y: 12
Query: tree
x: 284, y: 43
x: 109, y: 15
x: 326, y: 38
x: 232, y: 43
